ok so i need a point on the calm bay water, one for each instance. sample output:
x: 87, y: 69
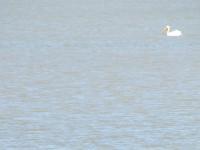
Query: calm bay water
x: 99, y: 75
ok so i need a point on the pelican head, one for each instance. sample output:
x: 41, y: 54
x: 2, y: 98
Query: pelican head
x: 166, y: 29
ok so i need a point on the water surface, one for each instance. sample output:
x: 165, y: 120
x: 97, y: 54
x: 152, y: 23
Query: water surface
x: 99, y: 75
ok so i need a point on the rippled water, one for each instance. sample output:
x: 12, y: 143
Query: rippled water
x: 99, y: 75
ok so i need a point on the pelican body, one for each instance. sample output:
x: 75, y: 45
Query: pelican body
x: 168, y: 32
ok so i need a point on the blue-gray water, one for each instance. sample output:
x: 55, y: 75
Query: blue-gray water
x: 98, y: 74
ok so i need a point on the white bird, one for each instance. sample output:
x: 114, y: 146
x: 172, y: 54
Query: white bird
x: 168, y: 32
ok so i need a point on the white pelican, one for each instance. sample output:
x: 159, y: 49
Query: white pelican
x: 168, y: 32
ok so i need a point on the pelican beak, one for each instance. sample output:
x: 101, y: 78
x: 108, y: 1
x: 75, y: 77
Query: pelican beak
x: 164, y: 30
